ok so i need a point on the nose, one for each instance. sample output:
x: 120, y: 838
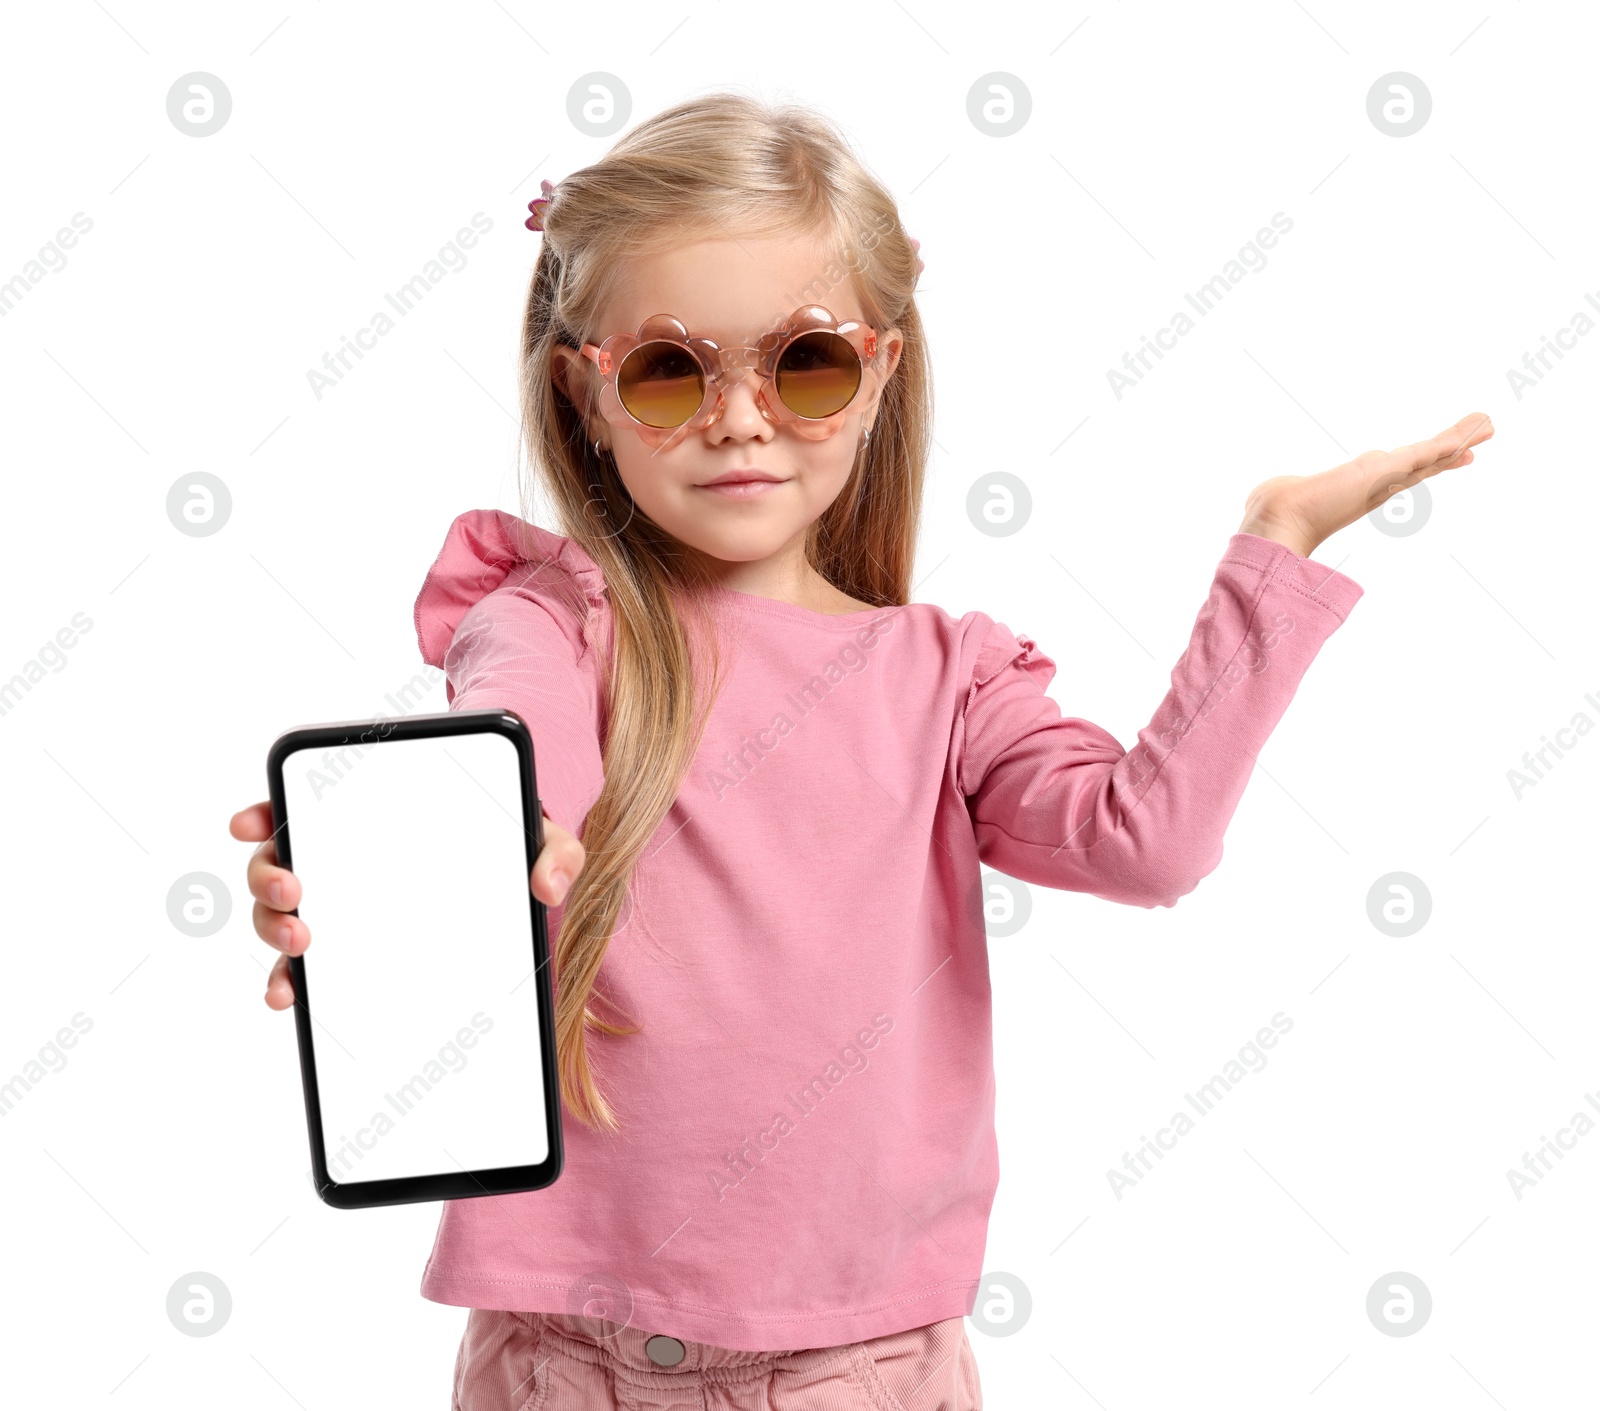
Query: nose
x: 739, y: 388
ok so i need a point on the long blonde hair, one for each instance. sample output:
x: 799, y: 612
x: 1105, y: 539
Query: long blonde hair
x: 708, y: 166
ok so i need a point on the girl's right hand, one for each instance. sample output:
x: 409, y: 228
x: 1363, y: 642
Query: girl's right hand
x: 277, y: 891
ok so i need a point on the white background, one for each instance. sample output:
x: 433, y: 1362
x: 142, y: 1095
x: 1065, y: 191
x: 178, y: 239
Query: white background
x: 1419, y: 271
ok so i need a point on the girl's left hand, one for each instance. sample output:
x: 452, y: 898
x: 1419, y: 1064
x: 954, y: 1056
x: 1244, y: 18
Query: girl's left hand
x: 1303, y: 510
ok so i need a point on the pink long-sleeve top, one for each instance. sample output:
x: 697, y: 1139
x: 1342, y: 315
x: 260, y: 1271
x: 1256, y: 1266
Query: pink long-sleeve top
x: 807, y: 1153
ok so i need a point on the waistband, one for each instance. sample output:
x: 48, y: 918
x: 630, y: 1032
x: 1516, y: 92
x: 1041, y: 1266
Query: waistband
x: 603, y: 1342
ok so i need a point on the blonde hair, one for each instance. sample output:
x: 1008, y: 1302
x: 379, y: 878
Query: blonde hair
x: 707, y: 167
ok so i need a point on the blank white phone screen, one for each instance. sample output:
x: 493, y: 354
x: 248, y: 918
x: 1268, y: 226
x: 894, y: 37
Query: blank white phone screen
x: 424, y: 1015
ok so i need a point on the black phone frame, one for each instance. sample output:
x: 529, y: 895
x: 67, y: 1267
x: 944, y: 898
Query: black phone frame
x: 455, y: 1185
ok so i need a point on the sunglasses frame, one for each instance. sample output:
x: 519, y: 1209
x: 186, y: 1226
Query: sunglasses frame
x: 731, y: 365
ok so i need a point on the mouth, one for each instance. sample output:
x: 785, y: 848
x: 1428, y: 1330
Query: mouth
x: 746, y: 483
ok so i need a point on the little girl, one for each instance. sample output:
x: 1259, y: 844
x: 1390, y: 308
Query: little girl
x: 773, y: 1013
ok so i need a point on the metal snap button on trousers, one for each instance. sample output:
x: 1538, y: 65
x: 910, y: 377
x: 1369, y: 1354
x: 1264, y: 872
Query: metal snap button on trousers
x: 664, y: 1351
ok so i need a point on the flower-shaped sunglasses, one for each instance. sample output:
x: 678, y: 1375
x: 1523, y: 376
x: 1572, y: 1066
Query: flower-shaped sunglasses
x: 663, y: 383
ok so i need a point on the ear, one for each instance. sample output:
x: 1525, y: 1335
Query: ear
x: 569, y: 370
x: 565, y: 372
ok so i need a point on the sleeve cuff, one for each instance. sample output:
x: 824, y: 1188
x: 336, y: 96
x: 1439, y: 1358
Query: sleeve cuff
x: 1307, y: 577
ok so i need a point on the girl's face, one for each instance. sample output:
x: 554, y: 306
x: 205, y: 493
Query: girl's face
x: 733, y: 291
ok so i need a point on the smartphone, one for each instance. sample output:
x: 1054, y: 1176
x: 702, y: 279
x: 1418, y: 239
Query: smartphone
x: 424, y: 1008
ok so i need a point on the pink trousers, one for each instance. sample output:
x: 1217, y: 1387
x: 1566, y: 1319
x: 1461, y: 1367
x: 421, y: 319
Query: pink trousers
x: 561, y: 1362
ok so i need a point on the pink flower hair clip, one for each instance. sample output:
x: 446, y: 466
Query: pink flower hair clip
x: 538, y: 205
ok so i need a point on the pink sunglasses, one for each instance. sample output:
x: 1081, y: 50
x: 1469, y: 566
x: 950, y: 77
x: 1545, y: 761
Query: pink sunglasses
x: 664, y: 383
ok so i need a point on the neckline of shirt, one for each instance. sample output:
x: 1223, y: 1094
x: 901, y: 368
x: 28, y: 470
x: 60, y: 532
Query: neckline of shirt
x: 794, y: 612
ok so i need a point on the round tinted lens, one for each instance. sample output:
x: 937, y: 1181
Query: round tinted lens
x: 818, y: 374
x: 661, y: 384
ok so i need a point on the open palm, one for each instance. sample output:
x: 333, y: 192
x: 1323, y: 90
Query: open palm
x: 1303, y: 510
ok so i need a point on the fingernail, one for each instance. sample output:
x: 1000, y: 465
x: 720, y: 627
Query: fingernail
x: 560, y: 881
x: 275, y: 893
x: 284, y: 933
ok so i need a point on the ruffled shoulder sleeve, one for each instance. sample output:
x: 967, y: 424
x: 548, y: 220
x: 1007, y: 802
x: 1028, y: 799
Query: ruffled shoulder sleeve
x: 519, y: 619
x: 489, y: 550
x: 999, y: 646
x: 1005, y: 665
